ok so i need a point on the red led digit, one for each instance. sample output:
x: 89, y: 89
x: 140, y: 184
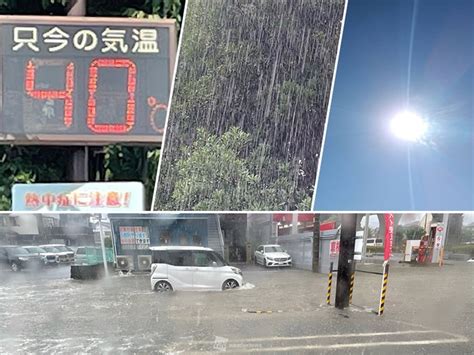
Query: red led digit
x: 65, y: 94
x: 111, y: 128
x: 156, y: 106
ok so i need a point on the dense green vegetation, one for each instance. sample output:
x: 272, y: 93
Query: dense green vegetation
x: 260, y: 70
x: 28, y: 164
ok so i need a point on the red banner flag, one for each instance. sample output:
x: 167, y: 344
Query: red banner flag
x: 389, y: 226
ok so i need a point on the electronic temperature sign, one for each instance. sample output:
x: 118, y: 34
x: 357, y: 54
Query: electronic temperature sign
x: 84, y: 80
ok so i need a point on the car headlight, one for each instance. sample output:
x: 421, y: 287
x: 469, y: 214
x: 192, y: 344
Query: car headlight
x: 236, y: 271
x: 22, y: 258
x: 269, y: 258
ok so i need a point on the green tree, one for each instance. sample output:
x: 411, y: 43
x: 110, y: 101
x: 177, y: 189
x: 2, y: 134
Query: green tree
x: 214, y: 166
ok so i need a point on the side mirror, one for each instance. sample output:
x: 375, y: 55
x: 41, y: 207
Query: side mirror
x: 214, y: 264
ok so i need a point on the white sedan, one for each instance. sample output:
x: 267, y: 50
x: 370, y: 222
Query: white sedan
x: 272, y: 255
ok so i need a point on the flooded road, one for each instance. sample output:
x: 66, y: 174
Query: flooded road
x: 48, y: 312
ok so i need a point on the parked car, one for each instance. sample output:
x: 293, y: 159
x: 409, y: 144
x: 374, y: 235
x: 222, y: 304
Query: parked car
x: 272, y: 255
x: 92, y: 256
x: 191, y: 268
x: 46, y: 257
x: 64, y: 254
x: 374, y: 242
x: 18, y: 258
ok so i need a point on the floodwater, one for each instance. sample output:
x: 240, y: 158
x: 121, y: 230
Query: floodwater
x: 48, y: 312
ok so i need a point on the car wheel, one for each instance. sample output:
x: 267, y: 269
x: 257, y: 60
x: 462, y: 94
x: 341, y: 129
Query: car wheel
x: 163, y: 286
x: 15, y: 267
x: 265, y: 262
x: 229, y: 284
x: 256, y: 261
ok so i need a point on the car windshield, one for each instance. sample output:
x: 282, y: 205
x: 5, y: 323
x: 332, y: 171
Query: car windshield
x: 35, y: 250
x: 61, y: 248
x: 273, y: 249
x: 17, y: 250
x: 51, y: 249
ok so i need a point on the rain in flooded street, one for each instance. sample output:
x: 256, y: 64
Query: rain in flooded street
x: 429, y: 310
x: 249, y: 105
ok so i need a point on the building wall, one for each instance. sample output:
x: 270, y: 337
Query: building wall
x: 164, y: 229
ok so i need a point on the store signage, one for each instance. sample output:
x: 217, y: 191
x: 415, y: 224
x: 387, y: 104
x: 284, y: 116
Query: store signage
x: 84, y: 80
x: 92, y: 197
x: 134, y: 237
x: 334, y: 247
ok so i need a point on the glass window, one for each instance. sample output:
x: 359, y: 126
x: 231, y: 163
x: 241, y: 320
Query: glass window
x: 81, y: 251
x: 217, y: 258
x: 207, y: 258
x: 160, y: 257
x: 17, y: 251
x: 51, y: 249
x: 180, y: 258
x: 197, y: 240
x: 201, y: 258
x: 165, y: 239
x: 274, y: 249
x: 35, y: 250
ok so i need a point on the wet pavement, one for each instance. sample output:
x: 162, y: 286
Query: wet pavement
x: 428, y: 310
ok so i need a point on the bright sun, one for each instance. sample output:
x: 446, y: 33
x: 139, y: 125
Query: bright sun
x: 408, y: 126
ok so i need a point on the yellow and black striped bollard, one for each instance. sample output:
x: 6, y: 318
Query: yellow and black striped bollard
x: 351, y: 288
x: 383, y: 291
x: 328, y: 297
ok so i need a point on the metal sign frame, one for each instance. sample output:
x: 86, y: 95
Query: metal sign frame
x: 82, y: 139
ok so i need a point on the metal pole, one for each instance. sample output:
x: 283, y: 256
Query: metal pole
x: 102, y: 244
x: 316, y: 241
x: 77, y: 8
x: 346, y: 259
x: 383, y: 289
x: 366, y: 235
x: 80, y: 155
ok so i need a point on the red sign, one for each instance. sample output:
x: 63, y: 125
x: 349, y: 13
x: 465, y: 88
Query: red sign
x: 334, y: 247
x: 326, y: 226
x: 389, y: 225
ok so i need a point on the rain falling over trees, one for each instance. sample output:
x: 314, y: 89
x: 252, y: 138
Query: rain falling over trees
x: 260, y: 71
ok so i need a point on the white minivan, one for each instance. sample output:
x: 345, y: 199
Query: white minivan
x: 191, y: 268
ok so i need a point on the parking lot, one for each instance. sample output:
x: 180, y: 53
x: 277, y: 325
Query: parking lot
x: 428, y: 310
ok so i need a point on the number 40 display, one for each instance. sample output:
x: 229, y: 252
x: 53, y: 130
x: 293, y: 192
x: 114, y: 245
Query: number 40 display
x: 93, y: 77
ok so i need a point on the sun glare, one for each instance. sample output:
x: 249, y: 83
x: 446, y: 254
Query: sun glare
x: 408, y: 126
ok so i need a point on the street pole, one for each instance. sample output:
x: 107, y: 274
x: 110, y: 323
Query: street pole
x: 366, y: 235
x: 102, y: 244
x: 80, y: 155
x: 346, y: 259
x: 316, y: 240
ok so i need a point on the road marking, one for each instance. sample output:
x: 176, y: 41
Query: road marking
x: 324, y: 336
x: 357, y: 345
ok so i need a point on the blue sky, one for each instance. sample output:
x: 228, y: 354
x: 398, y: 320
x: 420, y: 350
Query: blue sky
x: 364, y: 166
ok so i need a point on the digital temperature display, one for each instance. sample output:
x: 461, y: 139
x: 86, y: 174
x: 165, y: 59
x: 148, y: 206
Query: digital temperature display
x: 83, y: 80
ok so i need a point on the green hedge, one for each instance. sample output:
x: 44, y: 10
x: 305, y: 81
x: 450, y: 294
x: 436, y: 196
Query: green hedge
x: 373, y: 250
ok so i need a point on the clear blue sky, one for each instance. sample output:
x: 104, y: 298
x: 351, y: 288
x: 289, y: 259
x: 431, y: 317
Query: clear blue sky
x: 364, y: 166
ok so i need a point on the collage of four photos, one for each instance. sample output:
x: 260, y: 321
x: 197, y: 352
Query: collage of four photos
x: 313, y: 159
